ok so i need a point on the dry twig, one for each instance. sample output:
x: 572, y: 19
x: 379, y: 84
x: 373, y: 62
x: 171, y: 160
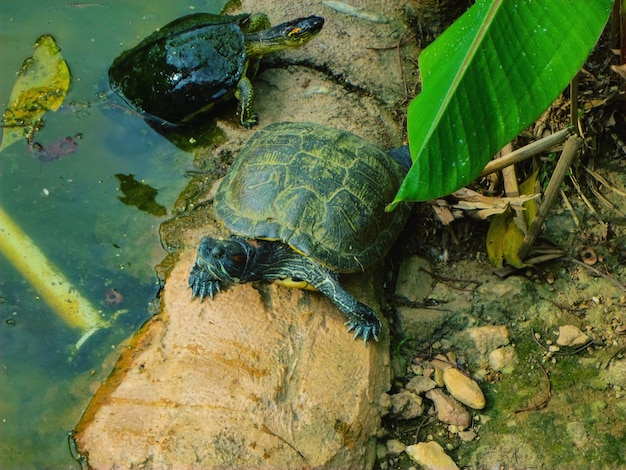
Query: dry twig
x: 567, y: 157
x: 548, y: 392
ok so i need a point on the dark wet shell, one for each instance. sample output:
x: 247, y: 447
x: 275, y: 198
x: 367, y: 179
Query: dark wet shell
x: 182, y: 69
x: 320, y: 190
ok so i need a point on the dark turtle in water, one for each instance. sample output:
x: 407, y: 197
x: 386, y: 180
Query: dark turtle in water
x: 186, y: 67
x: 304, y: 202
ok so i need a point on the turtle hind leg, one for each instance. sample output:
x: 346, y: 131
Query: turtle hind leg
x: 255, y: 22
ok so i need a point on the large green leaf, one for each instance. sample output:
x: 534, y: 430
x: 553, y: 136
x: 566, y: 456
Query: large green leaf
x: 492, y: 73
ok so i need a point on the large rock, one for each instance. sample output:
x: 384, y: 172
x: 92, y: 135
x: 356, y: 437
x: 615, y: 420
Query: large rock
x: 262, y: 376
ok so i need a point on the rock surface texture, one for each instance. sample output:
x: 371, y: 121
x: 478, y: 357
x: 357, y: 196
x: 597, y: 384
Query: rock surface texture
x: 276, y: 384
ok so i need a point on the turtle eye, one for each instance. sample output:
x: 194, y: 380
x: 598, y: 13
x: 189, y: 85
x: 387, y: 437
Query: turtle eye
x: 294, y: 31
x: 217, y: 253
x: 239, y: 259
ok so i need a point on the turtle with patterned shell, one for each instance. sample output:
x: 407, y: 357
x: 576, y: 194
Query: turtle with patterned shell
x: 304, y: 203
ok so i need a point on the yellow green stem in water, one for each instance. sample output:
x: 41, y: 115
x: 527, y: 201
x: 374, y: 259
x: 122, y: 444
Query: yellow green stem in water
x: 48, y: 281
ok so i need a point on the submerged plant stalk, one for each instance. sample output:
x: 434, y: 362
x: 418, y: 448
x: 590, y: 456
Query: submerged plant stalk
x: 50, y: 283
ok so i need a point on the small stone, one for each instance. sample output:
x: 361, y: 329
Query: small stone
x: 467, y: 436
x: 406, y: 405
x: 395, y: 447
x: 488, y: 338
x: 503, y: 359
x: 439, y: 377
x: 431, y: 456
x: 463, y: 389
x: 414, y: 279
x: 570, y: 335
x: 420, y: 384
x: 448, y: 410
x: 441, y: 361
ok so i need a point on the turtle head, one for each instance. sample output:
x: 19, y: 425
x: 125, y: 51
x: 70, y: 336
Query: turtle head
x: 297, y: 32
x: 287, y: 35
x: 224, y: 260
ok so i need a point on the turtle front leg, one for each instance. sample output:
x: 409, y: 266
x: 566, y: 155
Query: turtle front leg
x: 244, y: 95
x: 202, y: 283
x: 288, y: 264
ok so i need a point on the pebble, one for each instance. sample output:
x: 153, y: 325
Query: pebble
x: 395, y: 447
x: 431, y: 456
x: 570, y: 335
x: 448, y: 410
x: 467, y: 436
x: 503, y: 359
x: 463, y: 388
x: 420, y: 384
x: 406, y: 405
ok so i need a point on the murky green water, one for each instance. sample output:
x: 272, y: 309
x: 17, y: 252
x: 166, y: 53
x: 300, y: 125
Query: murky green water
x: 72, y: 210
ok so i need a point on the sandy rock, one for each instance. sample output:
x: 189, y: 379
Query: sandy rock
x: 406, y: 405
x: 421, y: 323
x: 503, y: 359
x: 414, y: 279
x: 463, y: 388
x: 570, y: 335
x: 420, y: 384
x: 448, y: 410
x: 431, y: 456
x: 263, y: 377
x: 488, y: 338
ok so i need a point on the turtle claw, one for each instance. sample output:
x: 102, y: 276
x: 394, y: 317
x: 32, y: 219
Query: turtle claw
x: 363, y: 329
x: 202, y: 284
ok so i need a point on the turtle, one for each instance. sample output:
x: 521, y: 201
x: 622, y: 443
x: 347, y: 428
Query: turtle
x: 304, y: 203
x: 186, y: 67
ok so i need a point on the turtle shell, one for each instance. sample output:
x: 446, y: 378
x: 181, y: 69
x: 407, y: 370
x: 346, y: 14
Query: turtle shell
x: 182, y: 69
x: 322, y: 191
